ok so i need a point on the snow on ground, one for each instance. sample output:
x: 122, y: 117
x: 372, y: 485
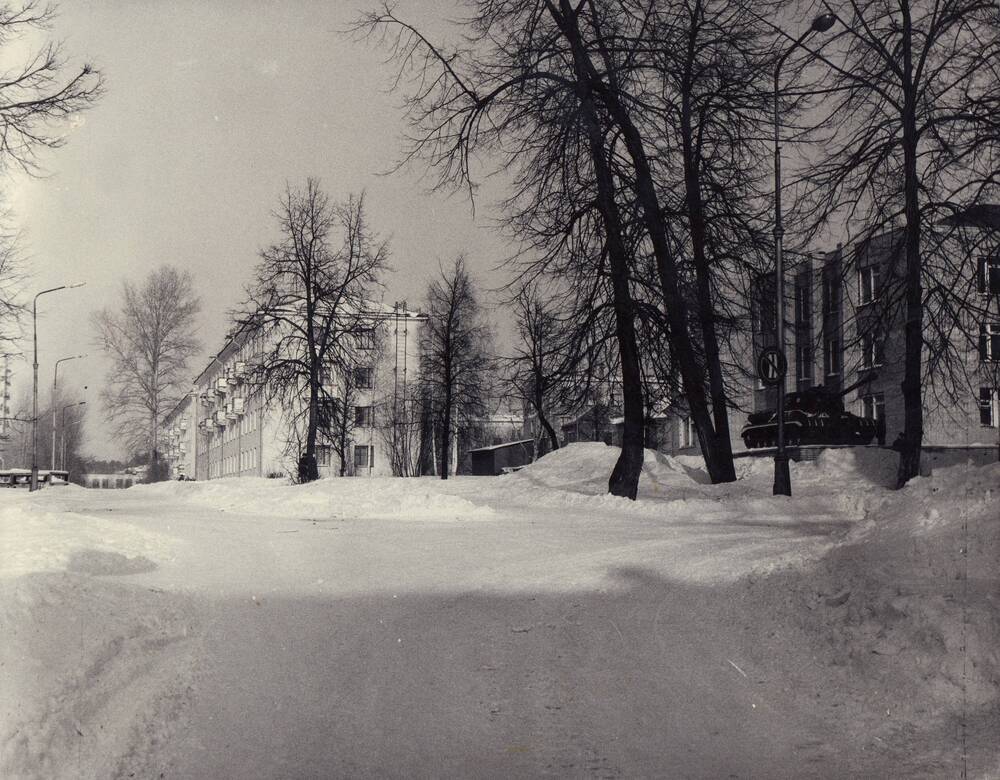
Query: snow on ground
x: 34, y: 537
x: 374, y: 498
x: 146, y: 628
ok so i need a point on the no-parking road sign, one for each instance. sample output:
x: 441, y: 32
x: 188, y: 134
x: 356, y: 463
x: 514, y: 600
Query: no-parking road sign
x: 771, y: 366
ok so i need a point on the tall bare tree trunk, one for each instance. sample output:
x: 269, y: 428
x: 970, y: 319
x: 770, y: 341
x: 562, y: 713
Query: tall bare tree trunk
x: 624, y: 479
x: 446, y: 432
x: 720, y: 444
x: 542, y: 419
x: 308, y: 470
x: 718, y: 463
x: 913, y: 413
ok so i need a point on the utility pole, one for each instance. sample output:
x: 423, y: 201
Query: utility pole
x: 55, y: 381
x: 782, y: 478
x: 34, y: 381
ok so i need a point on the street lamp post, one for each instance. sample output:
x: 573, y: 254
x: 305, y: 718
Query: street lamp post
x: 55, y: 381
x: 34, y: 381
x: 782, y: 477
x: 62, y: 459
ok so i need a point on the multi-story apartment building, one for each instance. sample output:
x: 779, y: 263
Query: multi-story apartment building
x: 226, y: 427
x: 845, y: 330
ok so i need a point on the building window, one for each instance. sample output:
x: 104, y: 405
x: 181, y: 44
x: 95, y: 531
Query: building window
x: 364, y: 456
x: 873, y: 406
x: 326, y: 413
x: 365, y: 339
x: 866, y: 284
x: 803, y: 361
x: 322, y: 455
x: 871, y: 349
x: 364, y: 377
x: 764, y: 311
x: 831, y: 294
x: 688, y: 435
x: 803, y: 305
x: 989, y: 341
x: 987, y: 411
x: 989, y: 275
x: 989, y: 401
x: 831, y: 357
x: 362, y: 416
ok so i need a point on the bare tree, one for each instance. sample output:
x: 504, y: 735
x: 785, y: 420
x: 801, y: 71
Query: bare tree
x: 454, y: 357
x: 910, y: 104
x: 150, y: 340
x: 533, y: 369
x: 309, y: 306
x: 524, y: 101
x: 38, y: 91
x: 573, y: 98
x: 12, y: 279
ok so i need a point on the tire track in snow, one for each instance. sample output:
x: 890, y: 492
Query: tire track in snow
x: 92, y: 686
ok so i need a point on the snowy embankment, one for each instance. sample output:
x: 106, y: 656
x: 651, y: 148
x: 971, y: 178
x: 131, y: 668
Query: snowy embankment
x: 84, y: 660
x: 384, y: 497
x: 904, y: 609
x: 877, y: 607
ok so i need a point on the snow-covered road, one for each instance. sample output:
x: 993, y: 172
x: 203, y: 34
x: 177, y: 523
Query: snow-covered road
x: 498, y: 628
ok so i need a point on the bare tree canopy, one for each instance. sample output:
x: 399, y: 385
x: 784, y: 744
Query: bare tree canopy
x: 150, y: 338
x: 310, y: 306
x: 39, y: 90
x: 633, y: 134
x: 12, y: 279
x: 908, y: 131
x: 454, y: 357
x: 536, y: 369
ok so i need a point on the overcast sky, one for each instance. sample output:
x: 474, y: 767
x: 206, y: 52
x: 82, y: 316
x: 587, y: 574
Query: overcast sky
x: 211, y: 107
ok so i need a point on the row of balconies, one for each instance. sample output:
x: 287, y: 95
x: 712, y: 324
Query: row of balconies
x: 176, y: 431
x: 232, y: 376
x: 233, y: 410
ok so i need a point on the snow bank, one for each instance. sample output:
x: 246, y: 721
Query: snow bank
x: 904, y: 614
x: 677, y: 488
x: 902, y: 609
x: 35, y: 537
x: 94, y: 675
x: 376, y: 497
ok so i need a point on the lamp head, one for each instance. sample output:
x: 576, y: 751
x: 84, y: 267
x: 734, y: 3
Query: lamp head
x: 76, y: 284
x: 823, y: 22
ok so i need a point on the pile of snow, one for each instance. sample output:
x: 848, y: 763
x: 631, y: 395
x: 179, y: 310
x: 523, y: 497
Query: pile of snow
x: 36, y: 536
x: 678, y: 488
x: 376, y: 497
x: 84, y: 667
x: 904, y: 614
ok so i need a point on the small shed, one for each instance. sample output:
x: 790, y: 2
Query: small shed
x: 491, y: 461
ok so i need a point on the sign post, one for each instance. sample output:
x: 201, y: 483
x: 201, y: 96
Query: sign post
x: 772, y: 366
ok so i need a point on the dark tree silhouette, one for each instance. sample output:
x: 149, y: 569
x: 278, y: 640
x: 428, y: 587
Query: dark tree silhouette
x: 454, y: 357
x: 308, y: 307
x: 908, y: 104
